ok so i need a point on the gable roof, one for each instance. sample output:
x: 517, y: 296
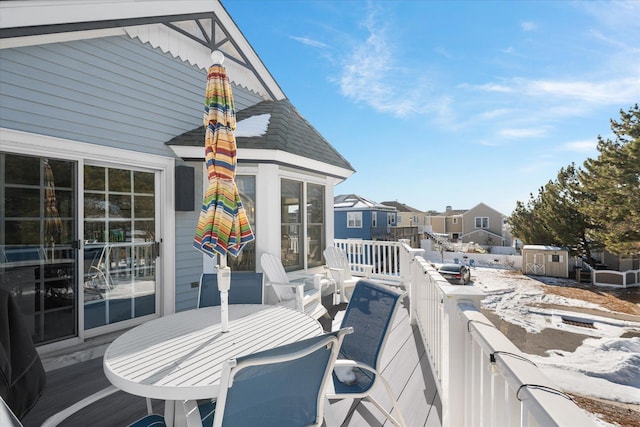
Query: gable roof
x: 286, y: 130
x: 452, y: 212
x: 401, y: 207
x: 353, y: 201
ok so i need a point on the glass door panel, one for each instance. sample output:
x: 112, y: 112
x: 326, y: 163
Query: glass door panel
x: 38, y: 254
x: 119, y: 251
x: 291, y: 227
x: 315, y: 224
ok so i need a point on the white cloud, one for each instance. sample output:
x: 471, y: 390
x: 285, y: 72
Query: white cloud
x: 443, y: 52
x: 528, y: 26
x: 310, y: 42
x: 606, y: 92
x: 489, y: 87
x: 582, y: 146
x: 369, y: 74
x: 522, y: 133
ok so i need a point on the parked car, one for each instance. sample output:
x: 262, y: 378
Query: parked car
x: 457, y: 274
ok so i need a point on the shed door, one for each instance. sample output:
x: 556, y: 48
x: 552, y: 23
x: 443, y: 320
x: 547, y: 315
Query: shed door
x: 534, y: 263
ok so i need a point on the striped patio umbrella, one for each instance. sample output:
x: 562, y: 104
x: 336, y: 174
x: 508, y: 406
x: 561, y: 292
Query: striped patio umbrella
x: 223, y: 226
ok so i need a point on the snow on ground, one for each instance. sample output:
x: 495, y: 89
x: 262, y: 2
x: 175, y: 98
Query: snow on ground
x: 605, y: 366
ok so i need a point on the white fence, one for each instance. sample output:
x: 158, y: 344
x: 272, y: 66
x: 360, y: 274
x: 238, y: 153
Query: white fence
x: 621, y: 279
x: 511, y: 261
x: 482, y: 377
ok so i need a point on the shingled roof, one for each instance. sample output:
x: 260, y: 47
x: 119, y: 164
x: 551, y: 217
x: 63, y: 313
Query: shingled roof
x: 287, y: 131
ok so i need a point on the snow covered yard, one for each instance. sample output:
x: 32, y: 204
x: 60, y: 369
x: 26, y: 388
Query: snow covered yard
x: 606, y: 365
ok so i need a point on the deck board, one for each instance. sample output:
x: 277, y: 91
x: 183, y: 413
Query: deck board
x: 405, y: 367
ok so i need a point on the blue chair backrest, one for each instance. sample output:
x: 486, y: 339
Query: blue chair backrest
x: 370, y: 313
x: 246, y: 288
x: 281, y: 386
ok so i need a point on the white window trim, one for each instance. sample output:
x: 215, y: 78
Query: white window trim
x: 481, y: 218
x: 374, y: 219
x: 357, y: 219
x: 40, y: 145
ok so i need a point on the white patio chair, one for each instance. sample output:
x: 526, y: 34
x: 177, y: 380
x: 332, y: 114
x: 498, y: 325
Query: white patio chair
x: 341, y: 270
x: 291, y: 294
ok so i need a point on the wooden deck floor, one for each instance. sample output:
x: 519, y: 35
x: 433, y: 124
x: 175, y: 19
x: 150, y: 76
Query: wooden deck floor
x: 405, y: 367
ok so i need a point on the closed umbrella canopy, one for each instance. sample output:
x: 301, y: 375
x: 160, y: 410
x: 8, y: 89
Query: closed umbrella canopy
x: 223, y: 227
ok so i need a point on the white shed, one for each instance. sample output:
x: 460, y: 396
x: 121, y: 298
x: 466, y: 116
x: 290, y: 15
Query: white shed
x: 542, y: 260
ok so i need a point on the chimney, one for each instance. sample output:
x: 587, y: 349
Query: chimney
x: 448, y: 209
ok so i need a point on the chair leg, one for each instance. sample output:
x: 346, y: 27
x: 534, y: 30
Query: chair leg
x: 399, y: 422
x: 394, y: 421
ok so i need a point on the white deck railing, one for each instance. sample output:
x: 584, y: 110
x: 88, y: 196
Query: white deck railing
x: 482, y: 377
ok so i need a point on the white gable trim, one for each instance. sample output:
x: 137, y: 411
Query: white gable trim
x: 25, y: 13
x: 271, y: 156
x: 22, y: 13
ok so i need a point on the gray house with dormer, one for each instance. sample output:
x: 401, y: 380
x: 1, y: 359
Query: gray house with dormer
x: 101, y: 155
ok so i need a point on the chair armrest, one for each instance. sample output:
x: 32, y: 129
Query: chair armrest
x: 290, y: 284
x: 361, y: 269
x: 299, y: 287
x: 57, y: 418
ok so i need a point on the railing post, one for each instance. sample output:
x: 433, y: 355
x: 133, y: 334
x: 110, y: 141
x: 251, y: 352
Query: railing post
x: 454, y: 334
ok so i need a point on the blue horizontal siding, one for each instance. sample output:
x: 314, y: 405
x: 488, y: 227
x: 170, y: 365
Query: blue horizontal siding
x: 113, y: 91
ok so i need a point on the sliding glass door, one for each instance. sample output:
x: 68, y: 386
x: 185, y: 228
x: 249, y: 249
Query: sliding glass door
x: 50, y: 251
x: 120, y: 247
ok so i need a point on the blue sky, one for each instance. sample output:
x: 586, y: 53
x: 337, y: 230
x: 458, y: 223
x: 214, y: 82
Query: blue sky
x: 439, y: 103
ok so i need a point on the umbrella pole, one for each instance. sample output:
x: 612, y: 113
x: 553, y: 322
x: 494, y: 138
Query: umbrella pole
x: 224, y: 282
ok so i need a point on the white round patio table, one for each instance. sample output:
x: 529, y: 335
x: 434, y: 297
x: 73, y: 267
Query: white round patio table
x: 179, y: 357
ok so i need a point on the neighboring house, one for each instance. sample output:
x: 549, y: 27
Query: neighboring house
x: 481, y: 224
x: 358, y: 218
x: 408, y: 216
x: 410, y: 224
x: 101, y: 148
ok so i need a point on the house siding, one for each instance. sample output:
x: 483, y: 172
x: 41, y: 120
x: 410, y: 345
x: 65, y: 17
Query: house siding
x: 115, y: 92
x: 495, y: 223
x: 112, y: 91
x: 341, y: 231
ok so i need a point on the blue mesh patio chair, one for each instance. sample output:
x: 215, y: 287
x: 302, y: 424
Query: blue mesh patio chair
x: 370, y: 313
x: 283, y: 386
x: 246, y: 288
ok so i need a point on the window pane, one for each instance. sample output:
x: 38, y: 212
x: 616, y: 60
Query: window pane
x: 119, y: 206
x: 291, y: 231
x: 315, y: 203
x: 315, y: 224
x: 144, y: 206
x: 94, y: 205
x: 120, y: 180
x: 94, y: 178
x: 22, y: 170
x: 143, y: 182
